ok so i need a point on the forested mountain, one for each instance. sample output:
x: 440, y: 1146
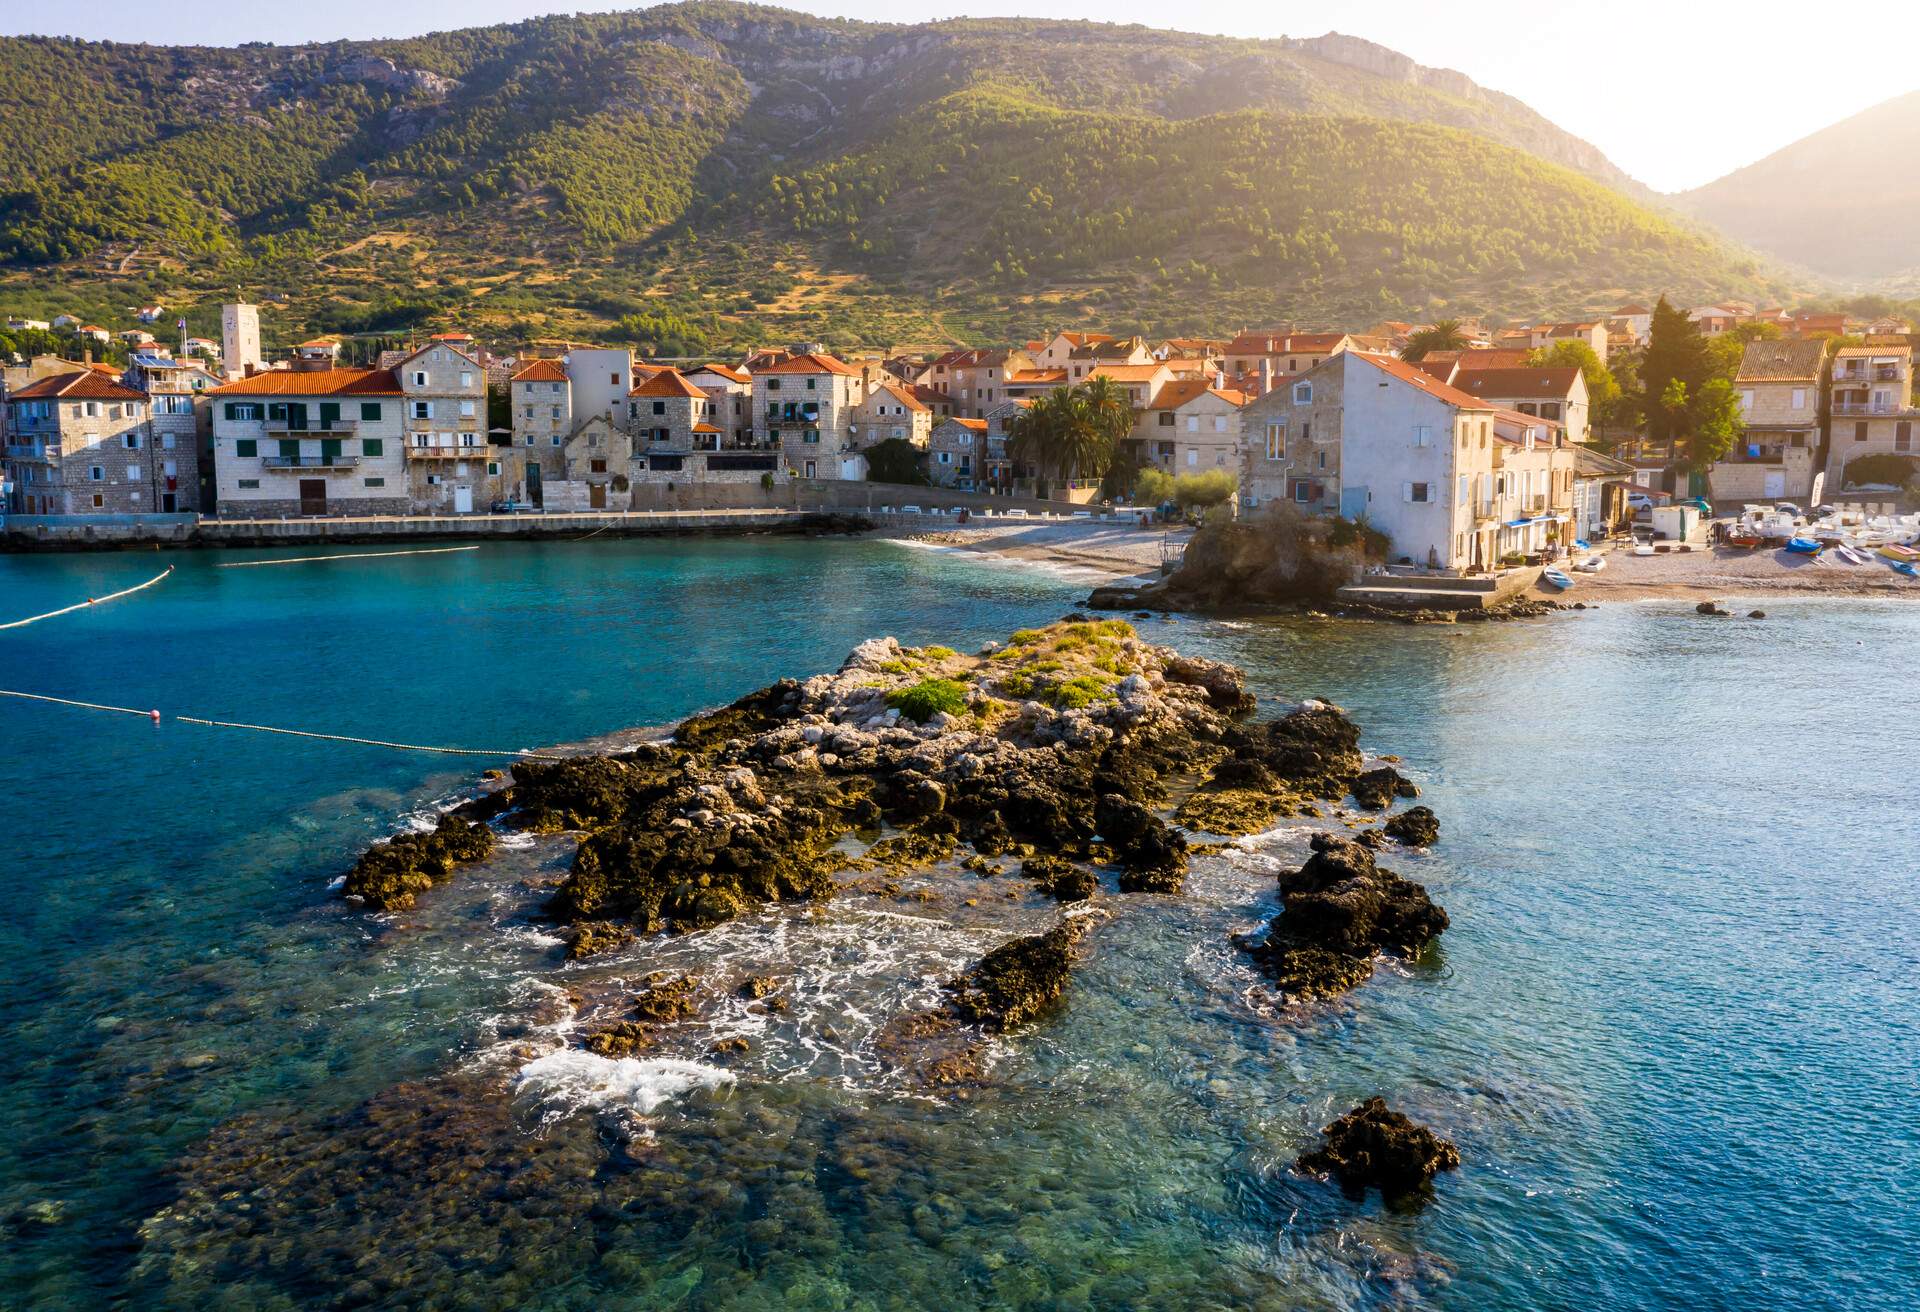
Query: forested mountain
x: 1840, y: 202
x: 710, y: 173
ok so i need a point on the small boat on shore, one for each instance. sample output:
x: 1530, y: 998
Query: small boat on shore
x: 1592, y: 565
x: 1803, y: 546
x: 1906, y: 567
x: 1557, y: 579
x: 1848, y: 554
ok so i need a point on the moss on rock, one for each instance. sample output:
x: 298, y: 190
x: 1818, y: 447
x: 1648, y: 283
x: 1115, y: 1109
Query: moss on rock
x: 389, y: 875
x: 1375, y: 1147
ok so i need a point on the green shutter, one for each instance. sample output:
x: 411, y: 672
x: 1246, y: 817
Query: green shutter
x: 330, y: 449
x: 373, y: 446
x: 290, y: 447
x: 277, y: 411
x: 246, y: 446
x: 329, y: 414
x: 229, y: 409
x: 370, y: 411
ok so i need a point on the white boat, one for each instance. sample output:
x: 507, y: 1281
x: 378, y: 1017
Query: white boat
x: 1557, y: 579
x: 1849, y: 555
x: 1592, y: 565
x: 1643, y: 549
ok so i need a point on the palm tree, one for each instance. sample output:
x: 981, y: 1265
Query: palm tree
x: 1442, y: 336
x: 1073, y: 432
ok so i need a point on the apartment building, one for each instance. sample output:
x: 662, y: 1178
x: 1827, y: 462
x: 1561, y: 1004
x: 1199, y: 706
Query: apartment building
x: 1779, y: 385
x: 956, y: 455
x: 731, y: 391
x: 292, y: 442
x: 1872, y: 407
x: 1292, y: 440
x: 890, y: 411
x: 668, y: 413
x: 451, y: 465
x: 182, y: 423
x: 82, y: 443
x: 1189, y: 427
x: 1283, y: 353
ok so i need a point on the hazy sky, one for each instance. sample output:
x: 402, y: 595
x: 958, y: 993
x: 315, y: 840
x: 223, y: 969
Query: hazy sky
x: 1677, y: 92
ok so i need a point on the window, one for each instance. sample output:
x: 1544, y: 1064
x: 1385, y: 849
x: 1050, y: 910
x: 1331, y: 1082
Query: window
x: 529, y: 439
x: 1417, y: 493
x: 556, y: 439
x: 811, y: 387
x: 131, y: 441
x: 1300, y: 492
x: 1193, y: 456
x: 553, y: 387
x: 466, y: 409
x: 493, y: 469
x: 556, y: 412
x: 375, y: 481
x: 246, y: 446
x: 1219, y: 423
x: 1276, y: 441
x: 133, y: 473
x: 659, y: 407
x: 372, y: 447
x: 773, y: 384
x: 597, y: 466
x: 93, y: 410
x: 98, y: 501
x: 1422, y: 435
x: 1193, y: 423
x: 1166, y: 419
x: 422, y: 410
x: 466, y: 378
x: 810, y: 435
x: 239, y: 410
x: 166, y: 441
x: 946, y: 457
x: 98, y: 473
x: 370, y: 412
x: 419, y: 378
x: 613, y: 379
x: 1902, y: 436
x: 1306, y: 432
x: 1860, y: 431
x: 249, y: 483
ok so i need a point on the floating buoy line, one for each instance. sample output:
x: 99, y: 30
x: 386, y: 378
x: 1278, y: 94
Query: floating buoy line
x: 90, y: 601
x: 345, y: 555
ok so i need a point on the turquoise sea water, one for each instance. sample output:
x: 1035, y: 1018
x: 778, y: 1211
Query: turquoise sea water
x: 1672, y: 1027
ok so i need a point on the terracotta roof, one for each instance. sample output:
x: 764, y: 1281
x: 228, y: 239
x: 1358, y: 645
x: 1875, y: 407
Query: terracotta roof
x: 705, y: 428
x: 451, y: 337
x: 931, y: 395
x: 1406, y: 373
x: 1786, y: 359
x: 320, y: 341
x: 727, y: 372
x: 977, y: 425
x: 668, y: 382
x: 1488, y: 357
x: 1543, y: 383
x: 903, y: 396
x: 1278, y: 343
x: 1128, y: 373
x: 541, y: 371
x: 1036, y: 376
x: 1182, y: 390
x: 1869, y: 352
x: 81, y: 385
x: 1627, y: 310
x: 315, y: 382
x: 811, y: 364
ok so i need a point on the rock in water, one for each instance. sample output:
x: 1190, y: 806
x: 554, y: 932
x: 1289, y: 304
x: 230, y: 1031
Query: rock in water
x: 1376, y: 788
x: 1154, y: 857
x: 389, y: 875
x: 1340, y: 909
x: 1017, y: 981
x: 1417, y: 826
x: 1373, y: 1147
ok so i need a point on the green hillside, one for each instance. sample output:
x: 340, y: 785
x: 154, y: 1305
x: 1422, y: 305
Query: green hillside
x: 709, y: 175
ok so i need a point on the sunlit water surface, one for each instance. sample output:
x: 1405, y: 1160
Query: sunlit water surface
x: 1672, y: 1028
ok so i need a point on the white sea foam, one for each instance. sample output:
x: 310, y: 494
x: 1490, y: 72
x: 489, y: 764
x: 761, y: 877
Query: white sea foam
x: 570, y: 1080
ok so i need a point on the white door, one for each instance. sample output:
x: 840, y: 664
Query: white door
x: 1776, y: 486
x: 463, y: 501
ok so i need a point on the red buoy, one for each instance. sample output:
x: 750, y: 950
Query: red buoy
x: 154, y: 716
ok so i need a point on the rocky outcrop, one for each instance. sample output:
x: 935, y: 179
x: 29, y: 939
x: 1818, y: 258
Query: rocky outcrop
x: 1375, y: 789
x: 1372, y: 1147
x: 1340, y: 910
x: 1417, y: 826
x: 390, y: 875
x: 1018, y: 981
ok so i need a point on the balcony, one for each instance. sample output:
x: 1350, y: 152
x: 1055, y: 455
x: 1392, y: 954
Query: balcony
x: 309, y: 462
x: 338, y: 428
x: 479, y: 451
x: 798, y: 420
x: 1867, y: 408
x: 30, y: 451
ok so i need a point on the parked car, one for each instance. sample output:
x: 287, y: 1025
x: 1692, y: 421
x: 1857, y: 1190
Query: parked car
x: 508, y: 506
x: 1639, y: 501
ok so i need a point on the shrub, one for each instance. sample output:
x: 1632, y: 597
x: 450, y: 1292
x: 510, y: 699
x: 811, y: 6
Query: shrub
x: 1083, y: 691
x: 1215, y: 487
x: 1152, y: 486
x: 1882, y: 467
x: 929, y: 698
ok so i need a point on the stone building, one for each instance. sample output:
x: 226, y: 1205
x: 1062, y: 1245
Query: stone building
x: 804, y: 406
x: 1189, y: 427
x: 668, y: 413
x: 1776, y: 457
x: 731, y: 391
x: 1872, y: 408
x: 891, y: 411
x: 182, y: 419
x: 292, y: 442
x: 82, y: 443
x: 956, y: 456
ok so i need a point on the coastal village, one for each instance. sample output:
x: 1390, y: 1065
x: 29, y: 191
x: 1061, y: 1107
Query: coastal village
x: 1469, y: 447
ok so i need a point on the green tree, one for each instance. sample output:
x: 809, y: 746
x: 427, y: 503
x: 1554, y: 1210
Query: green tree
x: 1603, y: 390
x: 1152, y: 487
x: 1073, y: 432
x: 1676, y: 353
x: 895, y: 460
x: 1714, y: 424
x: 1445, y: 335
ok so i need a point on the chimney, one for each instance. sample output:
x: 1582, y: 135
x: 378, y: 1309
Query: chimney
x: 1266, y: 374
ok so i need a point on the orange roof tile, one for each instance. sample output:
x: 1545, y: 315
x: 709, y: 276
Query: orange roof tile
x: 541, y: 371
x: 977, y: 425
x: 668, y: 383
x: 811, y: 363
x: 727, y: 372
x: 903, y: 396
x: 1129, y: 373
x: 705, y: 428
x: 1550, y: 384
x: 81, y: 385
x: 1407, y: 373
x: 315, y: 382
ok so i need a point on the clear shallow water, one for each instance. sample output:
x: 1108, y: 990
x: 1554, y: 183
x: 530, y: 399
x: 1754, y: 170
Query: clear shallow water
x: 1672, y: 1026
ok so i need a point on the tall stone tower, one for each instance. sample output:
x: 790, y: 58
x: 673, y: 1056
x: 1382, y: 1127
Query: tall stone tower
x: 239, y: 338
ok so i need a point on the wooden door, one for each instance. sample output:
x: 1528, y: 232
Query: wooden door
x: 597, y: 496
x: 313, y: 496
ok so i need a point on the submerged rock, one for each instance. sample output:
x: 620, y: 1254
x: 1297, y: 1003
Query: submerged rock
x: 1374, y: 1147
x: 666, y: 999
x: 1417, y: 826
x: 1060, y: 878
x: 1375, y: 789
x: 1340, y: 910
x: 590, y: 938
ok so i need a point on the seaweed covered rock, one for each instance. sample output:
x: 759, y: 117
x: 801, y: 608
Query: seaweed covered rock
x: 1314, y: 749
x: 1224, y: 684
x: 1017, y: 981
x: 389, y: 875
x: 666, y: 998
x: 1417, y: 826
x: 1060, y: 878
x: 585, y: 792
x: 1153, y: 858
x: 1375, y: 789
x: 1374, y: 1147
x: 590, y: 938
x: 1340, y: 910
x: 626, y: 1038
